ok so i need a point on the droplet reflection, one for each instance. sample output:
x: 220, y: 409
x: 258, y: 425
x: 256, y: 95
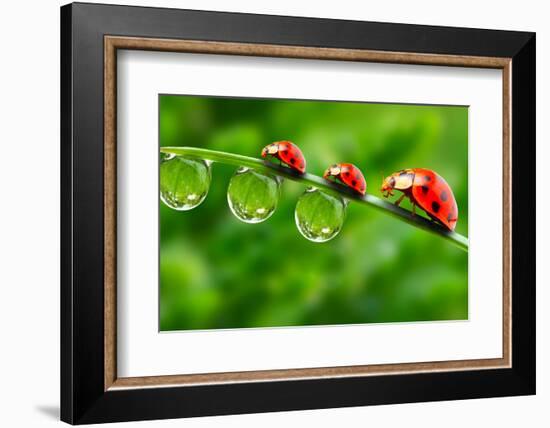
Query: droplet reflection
x: 319, y: 216
x: 184, y: 183
x: 252, y: 197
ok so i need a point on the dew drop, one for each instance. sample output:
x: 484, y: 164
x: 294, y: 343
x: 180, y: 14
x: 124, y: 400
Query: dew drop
x: 319, y: 216
x: 252, y: 197
x: 184, y: 182
x: 166, y: 156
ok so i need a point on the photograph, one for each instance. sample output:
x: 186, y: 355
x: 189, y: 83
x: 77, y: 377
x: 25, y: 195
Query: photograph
x: 282, y: 212
x: 274, y: 210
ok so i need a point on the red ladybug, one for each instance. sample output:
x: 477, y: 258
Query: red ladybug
x: 286, y: 152
x: 426, y: 189
x: 348, y: 174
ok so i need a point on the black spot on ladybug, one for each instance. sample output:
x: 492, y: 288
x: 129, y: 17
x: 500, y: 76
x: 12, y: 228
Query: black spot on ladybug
x: 354, y: 182
x: 292, y: 161
x: 435, y: 206
x: 449, y: 217
x: 444, y: 196
x: 425, y: 189
x: 427, y: 178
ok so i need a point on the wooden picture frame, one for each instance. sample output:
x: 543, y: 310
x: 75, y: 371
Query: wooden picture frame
x: 91, y: 390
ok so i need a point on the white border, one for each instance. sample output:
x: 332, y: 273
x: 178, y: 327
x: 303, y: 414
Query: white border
x: 143, y: 351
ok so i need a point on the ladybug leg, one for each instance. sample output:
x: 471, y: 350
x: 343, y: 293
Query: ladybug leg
x: 399, y: 200
x: 414, y: 209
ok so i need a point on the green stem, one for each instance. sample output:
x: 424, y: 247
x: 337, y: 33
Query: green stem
x: 320, y: 183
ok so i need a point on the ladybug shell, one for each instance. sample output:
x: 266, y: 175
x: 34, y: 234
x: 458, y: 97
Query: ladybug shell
x: 290, y: 155
x: 352, y: 177
x: 432, y: 193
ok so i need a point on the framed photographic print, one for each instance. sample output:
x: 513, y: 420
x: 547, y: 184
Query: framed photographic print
x: 265, y: 213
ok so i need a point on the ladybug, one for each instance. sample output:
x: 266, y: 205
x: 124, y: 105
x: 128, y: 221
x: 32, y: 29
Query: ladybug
x: 428, y: 190
x: 347, y: 174
x: 287, y: 153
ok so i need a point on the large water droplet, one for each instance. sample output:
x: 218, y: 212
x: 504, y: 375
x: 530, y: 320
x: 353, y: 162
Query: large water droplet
x: 319, y: 216
x: 184, y: 183
x: 252, y: 196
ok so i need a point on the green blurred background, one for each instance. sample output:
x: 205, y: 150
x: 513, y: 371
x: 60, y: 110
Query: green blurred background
x: 217, y: 272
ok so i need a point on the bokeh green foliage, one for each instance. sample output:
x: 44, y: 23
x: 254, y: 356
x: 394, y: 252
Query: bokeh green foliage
x: 217, y: 272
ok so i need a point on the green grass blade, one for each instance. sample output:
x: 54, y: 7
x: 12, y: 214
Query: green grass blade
x: 320, y: 183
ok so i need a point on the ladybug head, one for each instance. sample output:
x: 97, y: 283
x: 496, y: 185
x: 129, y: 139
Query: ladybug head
x: 388, y: 184
x: 270, y: 149
x: 333, y: 170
